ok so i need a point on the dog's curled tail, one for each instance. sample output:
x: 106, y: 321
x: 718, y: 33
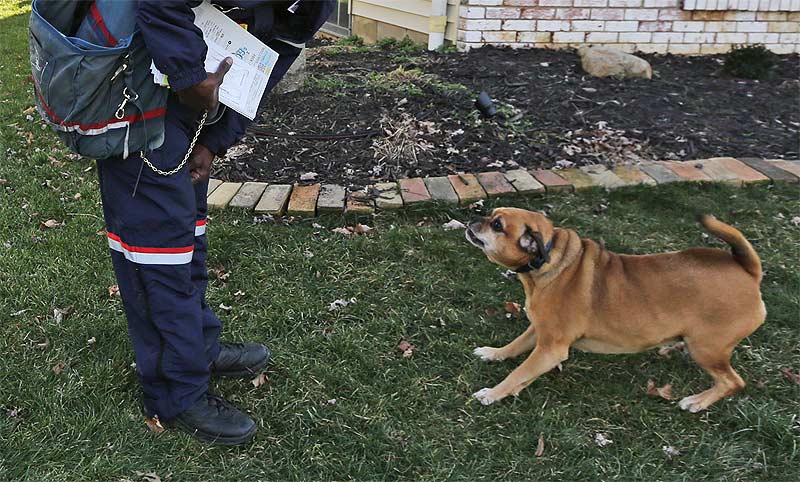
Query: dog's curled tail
x: 743, y: 251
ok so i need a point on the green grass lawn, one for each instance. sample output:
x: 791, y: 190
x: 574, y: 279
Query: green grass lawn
x: 393, y: 417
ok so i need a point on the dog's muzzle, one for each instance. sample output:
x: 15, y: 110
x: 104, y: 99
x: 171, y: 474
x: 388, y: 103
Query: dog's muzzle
x: 473, y: 238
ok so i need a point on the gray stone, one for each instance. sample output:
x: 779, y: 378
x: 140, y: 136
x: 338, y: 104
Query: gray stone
x: 523, y: 182
x: 770, y: 170
x: 331, y: 198
x: 661, y: 174
x: 609, y: 62
x: 248, y: 195
x: 222, y: 195
x: 388, y: 196
x: 274, y: 199
x: 602, y: 176
x: 441, y: 190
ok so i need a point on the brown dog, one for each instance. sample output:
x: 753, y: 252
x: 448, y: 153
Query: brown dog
x: 578, y: 294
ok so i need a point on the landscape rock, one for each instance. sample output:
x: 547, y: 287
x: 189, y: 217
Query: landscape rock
x: 608, y: 62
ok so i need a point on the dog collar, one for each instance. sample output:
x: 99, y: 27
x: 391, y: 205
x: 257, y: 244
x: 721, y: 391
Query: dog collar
x: 536, y: 262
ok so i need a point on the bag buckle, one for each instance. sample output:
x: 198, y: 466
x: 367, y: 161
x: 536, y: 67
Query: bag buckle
x: 121, y: 109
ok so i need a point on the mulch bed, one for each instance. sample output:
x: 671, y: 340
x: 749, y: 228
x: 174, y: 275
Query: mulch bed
x: 365, y: 117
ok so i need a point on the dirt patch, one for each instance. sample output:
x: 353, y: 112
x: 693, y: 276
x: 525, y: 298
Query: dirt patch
x: 367, y: 115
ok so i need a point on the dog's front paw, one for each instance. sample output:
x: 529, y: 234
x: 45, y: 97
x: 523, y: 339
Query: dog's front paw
x: 486, y: 396
x: 487, y: 353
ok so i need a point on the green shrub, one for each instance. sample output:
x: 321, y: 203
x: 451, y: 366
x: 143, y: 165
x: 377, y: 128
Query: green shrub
x: 750, y: 62
x: 351, y: 41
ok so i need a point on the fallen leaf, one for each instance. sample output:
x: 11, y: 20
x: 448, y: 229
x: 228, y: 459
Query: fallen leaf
x: 667, y: 350
x: 602, y: 440
x: 220, y: 273
x: 91, y: 341
x: 670, y: 451
x: 340, y: 303
x: 113, y: 291
x: 509, y: 274
x: 3, y: 182
x: 513, y: 308
x: 259, y: 380
x: 154, y: 424
x: 59, y: 367
x: 149, y: 476
x: 796, y: 220
x: 664, y: 392
x: 343, y: 231
x: 452, y: 225
x: 29, y: 110
x: 14, y: 412
x: 308, y: 254
x: 239, y: 293
x: 790, y: 375
x: 490, y: 312
x: 61, y: 314
x: 476, y: 205
x: 77, y: 196
x: 407, y: 348
x: 102, y: 233
x: 224, y: 307
x: 362, y: 229
x: 332, y: 401
x: 540, y: 446
x: 49, y: 224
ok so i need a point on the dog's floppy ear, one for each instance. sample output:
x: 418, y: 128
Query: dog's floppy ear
x: 533, y: 243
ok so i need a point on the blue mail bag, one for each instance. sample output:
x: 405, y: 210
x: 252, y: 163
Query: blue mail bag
x: 92, y: 79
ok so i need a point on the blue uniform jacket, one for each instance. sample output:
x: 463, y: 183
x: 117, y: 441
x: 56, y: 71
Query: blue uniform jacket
x: 178, y: 49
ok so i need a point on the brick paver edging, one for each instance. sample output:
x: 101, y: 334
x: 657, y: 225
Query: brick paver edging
x: 308, y: 200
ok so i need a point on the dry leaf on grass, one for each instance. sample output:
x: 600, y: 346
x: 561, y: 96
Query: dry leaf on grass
x: 667, y: 350
x: 59, y: 367
x: 362, y: 229
x: 340, y: 303
x: 602, y: 440
x: 154, y: 424
x: 259, y: 380
x: 490, y: 312
x: 452, y: 225
x: 513, y: 308
x: 664, y: 392
x: 49, y: 224
x: 149, y: 476
x: 113, y: 291
x: 61, y: 314
x: 540, y: 446
x: 670, y: 451
x: 407, y: 348
x: 790, y: 375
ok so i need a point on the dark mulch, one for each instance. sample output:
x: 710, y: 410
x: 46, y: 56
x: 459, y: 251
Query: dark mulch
x: 404, y: 114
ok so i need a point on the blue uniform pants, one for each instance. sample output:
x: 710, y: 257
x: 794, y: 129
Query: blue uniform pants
x: 157, y: 239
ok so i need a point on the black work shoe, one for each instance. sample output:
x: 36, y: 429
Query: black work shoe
x: 214, y: 419
x: 238, y: 360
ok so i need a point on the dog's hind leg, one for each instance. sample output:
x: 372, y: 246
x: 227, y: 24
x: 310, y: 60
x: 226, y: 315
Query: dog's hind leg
x: 542, y: 360
x: 521, y: 344
x: 716, y: 361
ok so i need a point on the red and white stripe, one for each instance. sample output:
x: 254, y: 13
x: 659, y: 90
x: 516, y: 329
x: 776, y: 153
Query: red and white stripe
x: 200, y: 227
x: 95, y: 128
x: 143, y: 255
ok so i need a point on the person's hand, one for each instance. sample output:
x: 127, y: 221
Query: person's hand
x: 200, y: 163
x: 205, y: 95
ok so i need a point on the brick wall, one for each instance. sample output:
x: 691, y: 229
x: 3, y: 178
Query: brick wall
x: 659, y: 26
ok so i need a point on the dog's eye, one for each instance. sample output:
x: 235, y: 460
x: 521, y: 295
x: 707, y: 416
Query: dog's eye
x: 497, y: 225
